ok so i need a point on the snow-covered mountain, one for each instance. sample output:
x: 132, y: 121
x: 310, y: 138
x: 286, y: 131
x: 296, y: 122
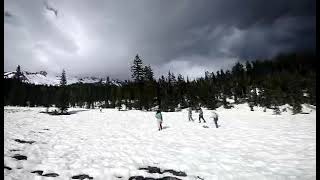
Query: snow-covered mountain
x: 43, y: 78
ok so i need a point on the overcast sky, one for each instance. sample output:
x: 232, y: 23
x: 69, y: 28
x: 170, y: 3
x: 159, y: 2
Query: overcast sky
x: 100, y: 38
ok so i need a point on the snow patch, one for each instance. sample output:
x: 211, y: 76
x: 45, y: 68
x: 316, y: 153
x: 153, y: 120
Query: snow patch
x: 113, y: 144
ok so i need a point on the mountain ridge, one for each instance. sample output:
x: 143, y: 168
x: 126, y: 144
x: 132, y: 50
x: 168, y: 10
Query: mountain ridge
x: 44, y: 78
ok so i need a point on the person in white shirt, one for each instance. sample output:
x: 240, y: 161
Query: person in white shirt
x: 215, y: 118
x: 159, y: 120
x: 190, y: 114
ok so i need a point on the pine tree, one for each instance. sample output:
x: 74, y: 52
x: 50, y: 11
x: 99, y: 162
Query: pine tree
x: 251, y: 106
x: 181, y: 88
x: 225, y: 102
x: 276, y: 110
x: 138, y: 77
x: 171, y: 95
x: 148, y: 73
x: 171, y: 78
x: 108, y: 80
x: 149, y: 88
x: 63, y: 79
x: 212, y: 101
x: 296, y: 105
x: 162, y: 96
x: 18, y: 73
x: 63, y: 94
x: 297, y: 108
x: 137, y: 69
x: 45, y: 97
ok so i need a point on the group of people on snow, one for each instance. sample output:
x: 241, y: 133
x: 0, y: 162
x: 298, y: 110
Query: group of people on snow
x: 214, y: 116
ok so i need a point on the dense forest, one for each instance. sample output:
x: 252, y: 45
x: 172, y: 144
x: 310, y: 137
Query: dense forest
x: 284, y: 79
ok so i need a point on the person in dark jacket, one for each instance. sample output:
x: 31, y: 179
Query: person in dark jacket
x: 201, y: 116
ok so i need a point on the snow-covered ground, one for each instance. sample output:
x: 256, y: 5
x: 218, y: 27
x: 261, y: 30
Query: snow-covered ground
x: 114, y: 144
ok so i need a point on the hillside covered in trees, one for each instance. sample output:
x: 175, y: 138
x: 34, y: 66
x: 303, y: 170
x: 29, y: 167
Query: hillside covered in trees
x: 285, y: 79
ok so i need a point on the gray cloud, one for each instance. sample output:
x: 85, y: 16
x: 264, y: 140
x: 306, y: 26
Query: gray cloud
x: 102, y: 37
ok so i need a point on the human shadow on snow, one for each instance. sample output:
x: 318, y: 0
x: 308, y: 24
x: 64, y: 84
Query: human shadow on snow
x: 40, y: 173
x: 56, y: 113
x: 165, y: 127
x: 152, y: 170
x: 24, y: 142
x: 19, y: 157
x: 150, y: 178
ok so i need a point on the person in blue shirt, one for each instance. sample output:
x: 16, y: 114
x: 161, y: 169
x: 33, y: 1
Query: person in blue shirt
x: 159, y: 120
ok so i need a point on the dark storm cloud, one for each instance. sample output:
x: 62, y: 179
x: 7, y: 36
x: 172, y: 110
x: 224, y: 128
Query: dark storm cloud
x: 188, y: 37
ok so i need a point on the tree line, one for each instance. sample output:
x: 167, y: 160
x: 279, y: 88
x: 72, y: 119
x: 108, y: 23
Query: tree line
x: 284, y: 79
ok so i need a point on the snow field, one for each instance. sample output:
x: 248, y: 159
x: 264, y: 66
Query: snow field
x: 114, y: 144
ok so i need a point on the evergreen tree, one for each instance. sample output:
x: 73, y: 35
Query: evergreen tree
x: 276, y: 110
x: 181, y: 88
x: 137, y: 69
x: 63, y: 79
x: 63, y: 94
x: 18, y: 74
x: 162, y: 97
x: 45, y: 98
x: 297, y: 108
x: 149, y: 88
x: 138, y: 77
x: 171, y: 102
x: 251, y: 106
x: 148, y: 73
x: 286, y: 79
x: 225, y: 102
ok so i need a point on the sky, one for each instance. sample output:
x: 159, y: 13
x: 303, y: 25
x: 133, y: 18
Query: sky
x: 102, y: 37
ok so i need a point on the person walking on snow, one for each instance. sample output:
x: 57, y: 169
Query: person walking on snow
x: 201, y: 116
x: 159, y: 119
x: 215, y: 118
x: 190, y: 114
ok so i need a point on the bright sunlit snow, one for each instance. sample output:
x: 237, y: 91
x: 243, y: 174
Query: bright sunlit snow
x: 114, y: 144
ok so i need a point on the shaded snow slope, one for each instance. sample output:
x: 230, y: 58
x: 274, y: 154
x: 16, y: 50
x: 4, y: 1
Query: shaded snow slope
x: 40, y: 78
x: 110, y: 144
